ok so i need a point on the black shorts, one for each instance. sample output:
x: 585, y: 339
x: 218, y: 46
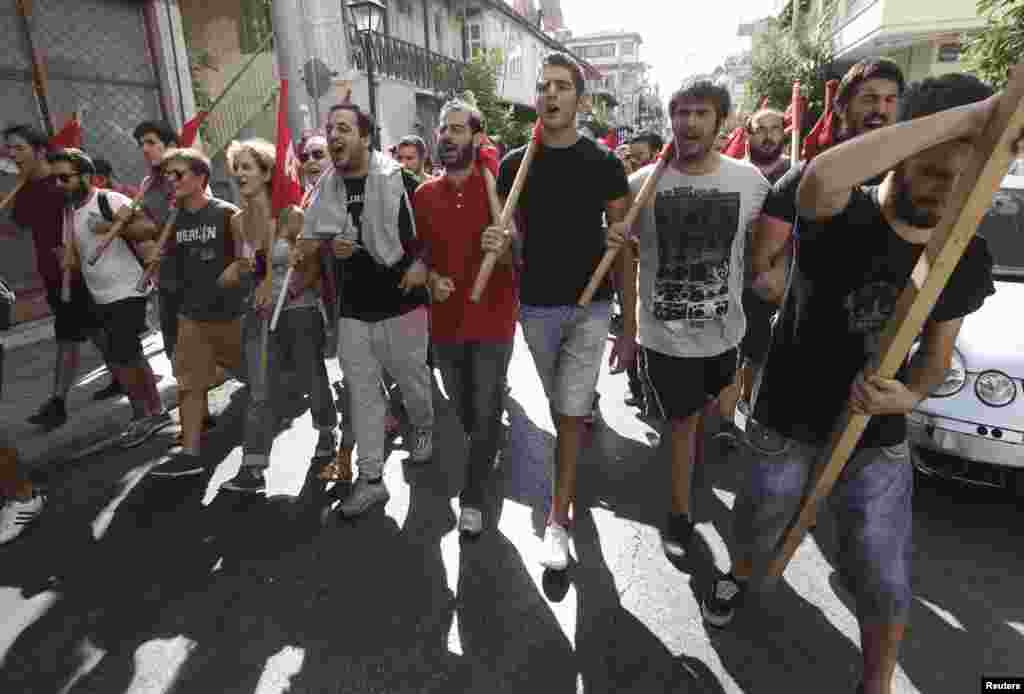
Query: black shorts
x: 124, y: 323
x: 681, y: 386
x: 757, y: 340
x: 75, y: 321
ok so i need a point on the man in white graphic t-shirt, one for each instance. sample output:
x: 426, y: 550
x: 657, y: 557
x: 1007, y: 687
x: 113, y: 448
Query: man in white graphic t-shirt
x: 690, y: 315
x: 112, y: 282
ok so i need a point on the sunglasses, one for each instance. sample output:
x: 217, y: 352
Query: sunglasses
x: 66, y: 178
x: 317, y: 154
x: 176, y: 174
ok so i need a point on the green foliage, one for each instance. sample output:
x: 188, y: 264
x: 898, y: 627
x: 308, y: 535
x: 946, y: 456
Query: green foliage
x: 200, y: 61
x: 255, y: 25
x: 1000, y: 45
x: 783, y: 56
x: 501, y: 120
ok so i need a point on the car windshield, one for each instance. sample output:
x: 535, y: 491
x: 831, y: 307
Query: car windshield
x: 1003, y: 225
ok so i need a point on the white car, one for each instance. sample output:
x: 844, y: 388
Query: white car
x: 972, y: 427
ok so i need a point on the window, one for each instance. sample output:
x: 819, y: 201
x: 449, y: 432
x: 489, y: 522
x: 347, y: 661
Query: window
x: 605, y: 50
x: 476, y: 40
x: 439, y: 33
x: 515, y: 65
x: 627, y: 48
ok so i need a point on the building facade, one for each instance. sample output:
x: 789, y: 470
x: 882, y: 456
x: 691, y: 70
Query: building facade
x: 621, y: 80
x: 922, y: 36
x: 115, y: 63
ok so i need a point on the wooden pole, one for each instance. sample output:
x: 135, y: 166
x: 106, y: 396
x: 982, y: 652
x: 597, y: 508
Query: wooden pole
x: 39, y: 78
x: 161, y: 246
x: 487, y: 266
x: 9, y: 198
x: 645, y: 195
x: 972, y: 197
x: 118, y: 225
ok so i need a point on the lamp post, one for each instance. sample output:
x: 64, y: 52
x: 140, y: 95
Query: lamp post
x: 368, y: 15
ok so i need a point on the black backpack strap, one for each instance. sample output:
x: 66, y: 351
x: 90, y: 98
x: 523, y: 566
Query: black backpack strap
x: 104, y: 203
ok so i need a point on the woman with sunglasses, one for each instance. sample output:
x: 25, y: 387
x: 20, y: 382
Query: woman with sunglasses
x: 313, y: 158
x: 300, y: 329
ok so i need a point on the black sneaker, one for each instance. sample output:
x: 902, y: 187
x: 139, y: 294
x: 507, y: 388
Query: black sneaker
x: 114, y: 390
x: 676, y: 536
x: 179, y: 465
x: 719, y: 605
x: 249, y: 480
x: 51, y: 415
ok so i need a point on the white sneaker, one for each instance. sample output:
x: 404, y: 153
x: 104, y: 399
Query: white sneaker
x: 16, y: 515
x: 471, y: 521
x: 422, y: 445
x: 556, y: 548
x: 364, y: 495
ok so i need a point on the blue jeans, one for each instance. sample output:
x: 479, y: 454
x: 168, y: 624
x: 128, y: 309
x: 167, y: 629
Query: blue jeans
x: 567, y: 344
x: 871, y: 504
x: 474, y: 379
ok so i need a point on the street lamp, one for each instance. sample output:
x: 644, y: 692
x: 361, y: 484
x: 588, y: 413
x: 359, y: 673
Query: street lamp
x: 368, y: 15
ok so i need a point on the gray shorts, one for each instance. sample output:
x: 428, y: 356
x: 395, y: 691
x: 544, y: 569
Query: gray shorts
x: 871, y: 505
x: 567, y: 344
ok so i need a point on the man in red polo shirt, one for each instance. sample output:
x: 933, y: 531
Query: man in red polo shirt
x: 472, y: 342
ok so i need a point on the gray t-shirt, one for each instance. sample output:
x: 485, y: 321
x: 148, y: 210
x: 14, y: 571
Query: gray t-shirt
x: 692, y: 244
x: 203, y: 250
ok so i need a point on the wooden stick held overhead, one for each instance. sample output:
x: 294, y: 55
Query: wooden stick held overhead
x: 971, y: 198
x: 490, y: 259
x: 642, y: 199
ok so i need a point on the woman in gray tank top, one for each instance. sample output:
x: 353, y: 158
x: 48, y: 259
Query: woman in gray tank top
x: 300, y: 330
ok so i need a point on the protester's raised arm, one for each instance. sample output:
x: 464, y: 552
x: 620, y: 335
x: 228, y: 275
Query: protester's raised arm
x: 825, y: 189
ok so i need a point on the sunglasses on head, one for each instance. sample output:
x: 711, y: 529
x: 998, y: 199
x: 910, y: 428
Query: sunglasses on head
x: 176, y: 174
x: 317, y: 154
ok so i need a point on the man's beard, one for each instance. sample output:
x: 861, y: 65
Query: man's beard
x: 905, y: 209
x: 763, y: 157
x: 462, y: 161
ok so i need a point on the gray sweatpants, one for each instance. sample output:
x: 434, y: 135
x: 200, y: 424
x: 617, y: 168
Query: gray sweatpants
x: 398, y: 345
x: 299, y: 339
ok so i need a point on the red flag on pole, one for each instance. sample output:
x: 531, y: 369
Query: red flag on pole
x: 190, y: 130
x: 70, y: 135
x: 287, y: 189
x: 736, y: 145
x: 822, y: 134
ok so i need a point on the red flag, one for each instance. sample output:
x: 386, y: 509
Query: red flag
x: 736, y: 145
x: 822, y: 134
x: 287, y: 189
x: 70, y: 135
x: 191, y: 129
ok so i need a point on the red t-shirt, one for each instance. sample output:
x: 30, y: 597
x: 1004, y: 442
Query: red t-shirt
x: 450, y: 222
x: 39, y: 206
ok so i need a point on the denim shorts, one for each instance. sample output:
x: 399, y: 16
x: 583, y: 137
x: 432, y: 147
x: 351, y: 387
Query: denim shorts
x: 567, y: 344
x: 871, y: 505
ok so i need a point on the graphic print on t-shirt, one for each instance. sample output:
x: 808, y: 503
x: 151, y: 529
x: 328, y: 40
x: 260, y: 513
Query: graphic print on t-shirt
x: 695, y: 230
x: 354, y: 203
x: 868, y: 309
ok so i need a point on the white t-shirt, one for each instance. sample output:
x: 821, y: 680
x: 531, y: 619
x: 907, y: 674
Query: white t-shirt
x: 118, y: 271
x: 692, y: 243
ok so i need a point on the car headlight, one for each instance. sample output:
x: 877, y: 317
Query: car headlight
x: 995, y: 388
x: 956, y: 377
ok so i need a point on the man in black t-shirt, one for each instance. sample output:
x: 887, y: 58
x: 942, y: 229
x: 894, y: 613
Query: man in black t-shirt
x: 868, y: 241
x: 570, y: 185
x: 364, y: 206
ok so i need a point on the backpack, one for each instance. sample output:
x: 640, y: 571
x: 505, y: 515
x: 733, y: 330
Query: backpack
x: 108, y: 214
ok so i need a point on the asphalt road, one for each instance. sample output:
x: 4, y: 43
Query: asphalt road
x: 130, y: 584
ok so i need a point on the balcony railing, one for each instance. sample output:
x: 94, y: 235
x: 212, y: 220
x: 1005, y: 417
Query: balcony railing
x: 247, y: 94
x: 406, y: 61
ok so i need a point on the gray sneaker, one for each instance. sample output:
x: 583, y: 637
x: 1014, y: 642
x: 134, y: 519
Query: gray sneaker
x: 365, y: 494
x: 139, y: 431
x: 422, y: 445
